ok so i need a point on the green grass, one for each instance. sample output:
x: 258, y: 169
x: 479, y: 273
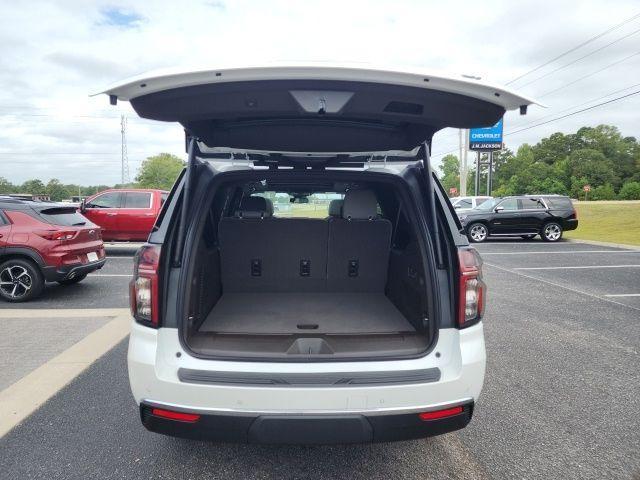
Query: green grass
x: 608, y: 221
x: 303, y: 210
x: 605, y: 221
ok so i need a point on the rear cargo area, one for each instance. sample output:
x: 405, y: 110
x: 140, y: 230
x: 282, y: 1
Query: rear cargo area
x: 350, y: 284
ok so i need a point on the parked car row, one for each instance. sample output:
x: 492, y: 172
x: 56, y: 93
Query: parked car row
x: 42, y: 241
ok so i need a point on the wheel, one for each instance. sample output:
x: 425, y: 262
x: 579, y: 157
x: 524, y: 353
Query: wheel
x: 527, y: 237
x: 71, y: 281
x: 20, y: 280
x: 478, y: 232
x: 551, y: 232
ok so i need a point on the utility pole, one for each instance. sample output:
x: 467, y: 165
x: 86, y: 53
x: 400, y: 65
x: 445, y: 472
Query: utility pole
x: 476, y: 190
x: 463, y: 137
x: 124, y: 160
x: 490, y: 174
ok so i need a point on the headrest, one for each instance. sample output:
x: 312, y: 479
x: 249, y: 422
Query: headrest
x: 255, y: 207
x: 360, y: 205
x: 335, y: 208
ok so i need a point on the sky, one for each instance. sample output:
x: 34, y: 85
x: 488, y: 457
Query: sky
x: 54, y: 54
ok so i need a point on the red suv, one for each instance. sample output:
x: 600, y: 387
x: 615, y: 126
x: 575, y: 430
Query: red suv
x: 44, y: 242
x: 124, y: 214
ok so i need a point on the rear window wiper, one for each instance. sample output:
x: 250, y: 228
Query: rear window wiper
x: 78, y: 224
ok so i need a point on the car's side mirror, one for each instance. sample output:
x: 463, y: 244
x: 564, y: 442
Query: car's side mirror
x: 83, y: 206
x: 499, y: 209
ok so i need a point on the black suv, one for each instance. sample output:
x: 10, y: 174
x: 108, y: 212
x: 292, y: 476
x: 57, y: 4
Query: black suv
x: 525, y: 216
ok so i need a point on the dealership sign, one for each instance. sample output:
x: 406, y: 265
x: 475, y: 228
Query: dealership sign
x: 489, y: 138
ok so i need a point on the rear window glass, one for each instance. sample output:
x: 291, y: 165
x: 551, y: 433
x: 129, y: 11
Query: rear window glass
x: 65, y: 217
x: 315, y: 205
x: 137, y: 200
x: 559, y: 202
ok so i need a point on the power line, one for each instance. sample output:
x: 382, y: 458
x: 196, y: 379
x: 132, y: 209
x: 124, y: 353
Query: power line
x: 63, y: 117
x: 562, y: 67
x: 580, y: 104
x: 575, y: 113
x: 94, y: 161
x: 589, y: 75
x: 622, y: 97
x: 571, y: 50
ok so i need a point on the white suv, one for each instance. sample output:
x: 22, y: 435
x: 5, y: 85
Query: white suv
x: 306, y: 281
x: 465, y: 204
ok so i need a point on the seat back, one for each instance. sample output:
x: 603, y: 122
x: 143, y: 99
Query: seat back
x: 260, y: 253
x: 358, y: 247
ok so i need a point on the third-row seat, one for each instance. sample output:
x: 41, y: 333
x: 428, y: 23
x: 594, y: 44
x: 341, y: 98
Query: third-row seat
x: 350, y: 253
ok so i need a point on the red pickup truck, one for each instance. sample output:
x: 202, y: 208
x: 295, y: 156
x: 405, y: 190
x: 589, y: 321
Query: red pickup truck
x: 124, y: 214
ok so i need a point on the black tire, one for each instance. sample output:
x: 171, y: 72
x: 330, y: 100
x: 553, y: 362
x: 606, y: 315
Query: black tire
x: 477, y: 232
x: 551, y: 232
x: 74, y: 280
x: 527, y: 237
x: 20, y: 280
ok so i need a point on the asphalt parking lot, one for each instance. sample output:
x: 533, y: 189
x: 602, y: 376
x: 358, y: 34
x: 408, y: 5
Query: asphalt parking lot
x: 561, y: 395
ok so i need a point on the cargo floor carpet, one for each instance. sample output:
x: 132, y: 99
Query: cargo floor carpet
x: 287, y: 313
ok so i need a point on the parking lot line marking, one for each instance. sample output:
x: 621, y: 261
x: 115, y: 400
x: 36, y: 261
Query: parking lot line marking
x: 558, y: 285
x: 624, y: 295
x: 111, y: 274
x: 560, y: 252
x: 25, y: 396
x: 577, y: 267
x: 62, y: 313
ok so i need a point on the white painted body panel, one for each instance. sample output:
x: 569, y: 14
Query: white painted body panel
x: 160, y: 80
x: 153, y: 373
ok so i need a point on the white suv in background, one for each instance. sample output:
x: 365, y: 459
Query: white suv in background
x: 354, y: 321
x: 464, y: 204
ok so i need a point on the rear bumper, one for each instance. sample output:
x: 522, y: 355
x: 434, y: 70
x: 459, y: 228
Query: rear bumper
x: 305, y: 429
x: 571, y: 224
x: 56, y: 274
x: 156, y: 357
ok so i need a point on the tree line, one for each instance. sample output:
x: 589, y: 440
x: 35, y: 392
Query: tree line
x: 159, y: 171
x: 562, y: 163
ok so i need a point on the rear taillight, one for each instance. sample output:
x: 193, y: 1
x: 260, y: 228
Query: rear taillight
x: 472, y: 290
x: 143, y: 290
x: 62, y: 235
